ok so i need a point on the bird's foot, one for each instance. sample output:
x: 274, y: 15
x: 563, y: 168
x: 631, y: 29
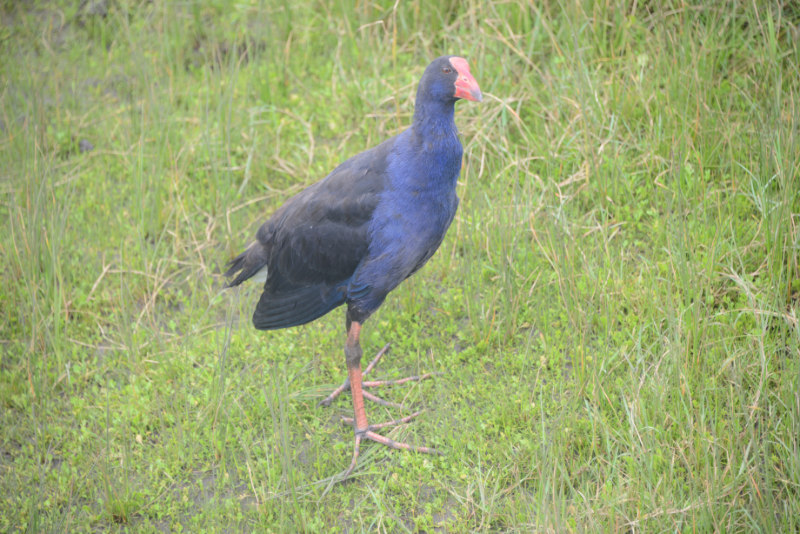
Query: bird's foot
x: 401, y: 421
x: 370, y: 434
x: 374, y: 383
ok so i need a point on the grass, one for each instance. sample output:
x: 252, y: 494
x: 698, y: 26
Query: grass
x: 614, y: 310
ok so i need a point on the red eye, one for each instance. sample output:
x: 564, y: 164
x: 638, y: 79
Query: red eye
x: 447, y: 70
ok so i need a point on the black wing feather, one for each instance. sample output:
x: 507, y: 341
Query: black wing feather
x: 313, y: 243
x: 297, y: 307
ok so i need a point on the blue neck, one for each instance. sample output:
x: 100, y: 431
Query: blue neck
x: 434, y: 119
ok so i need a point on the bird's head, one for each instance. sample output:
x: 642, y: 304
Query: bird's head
x: 448, y: 78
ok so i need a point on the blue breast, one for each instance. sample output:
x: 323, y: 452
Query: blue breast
x: 413, y: 214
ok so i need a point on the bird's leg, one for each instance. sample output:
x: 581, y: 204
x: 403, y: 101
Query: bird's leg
x: 373, y: 383
x: 352, y: 351
x: 362, y: 429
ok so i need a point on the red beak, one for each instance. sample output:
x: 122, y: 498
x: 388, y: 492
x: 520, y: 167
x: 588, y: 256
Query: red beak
x: 466, y: 86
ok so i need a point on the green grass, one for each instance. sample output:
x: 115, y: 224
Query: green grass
x: 614, y: 310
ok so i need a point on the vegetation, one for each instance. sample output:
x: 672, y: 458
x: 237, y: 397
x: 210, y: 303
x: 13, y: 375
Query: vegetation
x: 614, y: 311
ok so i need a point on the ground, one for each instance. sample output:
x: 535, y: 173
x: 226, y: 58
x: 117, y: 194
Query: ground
x: 613, y: 314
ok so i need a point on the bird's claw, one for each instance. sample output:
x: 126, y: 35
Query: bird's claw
x: 375, y: 383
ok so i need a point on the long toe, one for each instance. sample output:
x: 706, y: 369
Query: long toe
x: 415, y: 378
x: 335, y: 393
x: 383, y: 440
x: 375, y: 383
x: 369, y: 434
x: 401, y: 421
x: 346, y: 384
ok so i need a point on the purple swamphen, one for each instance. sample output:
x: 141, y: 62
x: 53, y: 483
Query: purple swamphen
x: 370, y: 224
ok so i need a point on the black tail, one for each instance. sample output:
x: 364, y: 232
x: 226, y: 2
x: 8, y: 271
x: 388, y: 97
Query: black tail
x: 247, y: 264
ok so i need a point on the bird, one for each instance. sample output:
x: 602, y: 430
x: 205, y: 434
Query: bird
x: 354, y: 236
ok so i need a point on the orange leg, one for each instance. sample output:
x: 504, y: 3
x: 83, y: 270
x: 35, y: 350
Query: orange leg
x: 364, y: 430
